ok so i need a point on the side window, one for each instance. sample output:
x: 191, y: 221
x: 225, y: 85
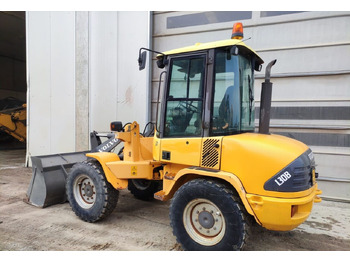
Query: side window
x: 233, y: 95
x: 247, y: 96
x: 226, y: 100
x: 185, y: 97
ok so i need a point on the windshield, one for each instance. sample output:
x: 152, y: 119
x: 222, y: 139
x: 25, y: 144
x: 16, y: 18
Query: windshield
x: 233, y: 100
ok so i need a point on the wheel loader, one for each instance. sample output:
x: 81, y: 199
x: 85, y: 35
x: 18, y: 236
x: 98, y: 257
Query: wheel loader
x: 13, y: 122
x: 204, y: 156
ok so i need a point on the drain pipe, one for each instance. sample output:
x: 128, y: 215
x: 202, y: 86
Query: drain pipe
x: 265, y: 101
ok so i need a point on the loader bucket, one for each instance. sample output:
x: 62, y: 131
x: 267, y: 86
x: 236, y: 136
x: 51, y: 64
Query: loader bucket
x: 49, y: 172
x: 48, y: 183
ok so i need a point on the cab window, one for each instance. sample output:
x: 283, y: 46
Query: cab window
x: 233, y: 98
x: 183, y: 117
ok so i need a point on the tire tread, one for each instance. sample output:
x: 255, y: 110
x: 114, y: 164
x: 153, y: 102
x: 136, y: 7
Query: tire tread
x: 225, y: 191
x: 110, y: 193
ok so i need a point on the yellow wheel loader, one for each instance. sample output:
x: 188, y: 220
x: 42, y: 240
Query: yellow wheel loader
x: 204, y: 154
x: 13, y: 122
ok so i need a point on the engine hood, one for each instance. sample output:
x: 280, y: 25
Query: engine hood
x: 256, y: 158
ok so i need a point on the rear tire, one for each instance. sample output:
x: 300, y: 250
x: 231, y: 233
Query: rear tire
x: 206, y: 215
x: 143, y: 189
x: 90, y: 195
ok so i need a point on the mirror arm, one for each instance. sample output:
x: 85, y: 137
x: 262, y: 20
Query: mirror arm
x: 150, y: 50
x: 142, y: 57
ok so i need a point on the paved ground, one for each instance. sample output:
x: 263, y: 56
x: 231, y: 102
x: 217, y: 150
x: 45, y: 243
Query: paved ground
x: 137, y: 225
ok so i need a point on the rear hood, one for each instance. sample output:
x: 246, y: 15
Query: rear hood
x: 256, y: 158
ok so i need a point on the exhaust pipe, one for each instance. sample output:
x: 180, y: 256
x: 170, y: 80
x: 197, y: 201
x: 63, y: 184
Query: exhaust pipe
x: 265, y: 101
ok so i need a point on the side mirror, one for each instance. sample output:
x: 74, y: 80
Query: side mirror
x: 142, y: 60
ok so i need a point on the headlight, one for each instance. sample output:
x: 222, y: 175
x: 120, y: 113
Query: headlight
x: 297, y: 176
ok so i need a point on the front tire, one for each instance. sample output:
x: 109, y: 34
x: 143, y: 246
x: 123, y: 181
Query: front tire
x: 90, y: 195
x: 206, y: 215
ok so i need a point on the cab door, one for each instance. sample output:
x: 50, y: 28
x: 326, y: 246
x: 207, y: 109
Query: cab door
x: 181, y: 129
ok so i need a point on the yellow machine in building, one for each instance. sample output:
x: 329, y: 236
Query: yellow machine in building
x: 13, y: 122
x: 204, y: 154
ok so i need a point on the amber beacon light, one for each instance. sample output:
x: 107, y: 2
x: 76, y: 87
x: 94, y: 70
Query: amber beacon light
x: 237, y: 31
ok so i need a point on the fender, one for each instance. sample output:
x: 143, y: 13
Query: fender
x: 103, y: 158
x: 228, y: 177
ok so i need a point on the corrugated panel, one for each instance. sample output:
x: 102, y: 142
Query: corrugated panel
x: 94, y: 70
x: 62, y: 76
x: 118, y: 90
x: 103, y: 69
x: 50, y: 58
x: 133, y: 85
x: 311, y: 92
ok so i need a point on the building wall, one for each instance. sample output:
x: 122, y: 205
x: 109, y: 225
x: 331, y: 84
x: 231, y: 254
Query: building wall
x: 51, y: 82
x: 82, y: 73
x: 311, y: 93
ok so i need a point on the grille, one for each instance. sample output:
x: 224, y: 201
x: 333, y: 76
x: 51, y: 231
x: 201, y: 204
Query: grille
x: 210, y: 154
x: 302, y: 177
x: 300, y: 171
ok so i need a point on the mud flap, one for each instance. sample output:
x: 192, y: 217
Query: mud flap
x: 48, y: 183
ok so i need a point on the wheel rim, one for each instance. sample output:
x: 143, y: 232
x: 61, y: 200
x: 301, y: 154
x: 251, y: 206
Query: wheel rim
x: 84, y: 191
x: 204, y: 222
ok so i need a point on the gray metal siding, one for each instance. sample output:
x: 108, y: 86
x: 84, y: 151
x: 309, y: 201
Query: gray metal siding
x: 51, y: 81
x: 311, y: 92
x: 83, y: 74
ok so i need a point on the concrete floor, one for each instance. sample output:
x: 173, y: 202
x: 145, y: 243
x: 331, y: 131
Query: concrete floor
x: 327, y: 228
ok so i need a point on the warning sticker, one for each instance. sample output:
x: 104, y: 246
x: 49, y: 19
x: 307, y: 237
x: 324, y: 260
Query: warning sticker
x: 133, y: 170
